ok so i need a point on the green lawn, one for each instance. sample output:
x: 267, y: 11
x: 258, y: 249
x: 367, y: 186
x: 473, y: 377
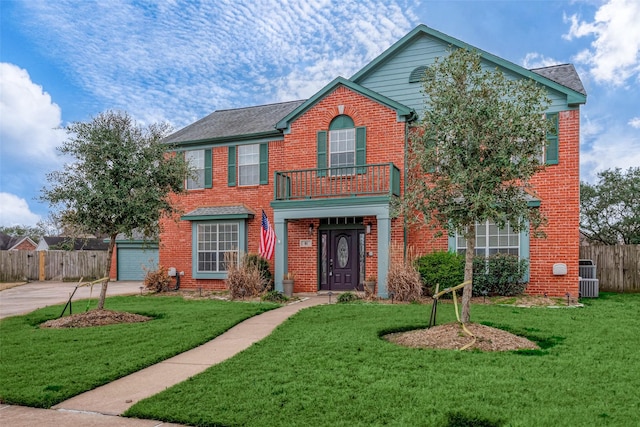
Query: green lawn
x: 42, y: 367
x: 327, y: 366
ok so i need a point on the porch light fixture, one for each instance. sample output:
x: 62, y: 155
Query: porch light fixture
x: 368, y: 228
x: 311, y: 229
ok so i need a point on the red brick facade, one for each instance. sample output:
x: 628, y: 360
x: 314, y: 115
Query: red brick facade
x: 557, y: 187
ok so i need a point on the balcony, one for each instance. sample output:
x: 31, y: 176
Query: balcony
x: 364, y: 180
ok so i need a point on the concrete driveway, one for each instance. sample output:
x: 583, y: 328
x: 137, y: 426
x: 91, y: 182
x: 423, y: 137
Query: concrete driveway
x: 31, y: 296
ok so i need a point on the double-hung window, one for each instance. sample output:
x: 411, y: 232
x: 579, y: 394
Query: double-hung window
x: 490, y: 240
x: 342, y: 149
x: 200, y: 163
x: 195, y: 159
x: 215, y: 241
x: 346, y: 146
x: 249, y: 164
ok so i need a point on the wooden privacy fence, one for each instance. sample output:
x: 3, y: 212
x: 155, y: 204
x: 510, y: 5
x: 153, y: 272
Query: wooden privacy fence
x: 51, y: 265
x: 617, y: 266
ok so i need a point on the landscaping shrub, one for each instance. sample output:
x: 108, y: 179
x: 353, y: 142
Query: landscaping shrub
x: 244, y: 279
x: 275, y: 296
x: 346, y: 297
x: 263, y: 266
x: 403, y: 279
x: 440, y: 267
x: 158, y: 280
x: 499, y: 274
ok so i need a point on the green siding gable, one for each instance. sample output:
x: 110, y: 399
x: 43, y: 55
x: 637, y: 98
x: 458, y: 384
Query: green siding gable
x: 389, y: 73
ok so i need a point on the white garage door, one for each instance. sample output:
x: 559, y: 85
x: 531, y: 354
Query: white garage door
x: 133, y: 263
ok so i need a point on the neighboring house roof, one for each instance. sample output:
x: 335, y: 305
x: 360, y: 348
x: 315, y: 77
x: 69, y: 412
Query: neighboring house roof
x: 402, y: 110
x: 222, y: 125
x: 9, y: 243
x: 567, y: 87
x: 219, y: 212
x: 68, y: 243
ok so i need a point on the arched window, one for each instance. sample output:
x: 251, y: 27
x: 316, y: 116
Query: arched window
x: 343, y: 146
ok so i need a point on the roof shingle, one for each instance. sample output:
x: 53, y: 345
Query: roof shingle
x: 564, y: 74
x: 235, y: 122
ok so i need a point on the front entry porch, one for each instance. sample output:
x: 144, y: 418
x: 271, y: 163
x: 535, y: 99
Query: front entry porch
x: 325, y: 254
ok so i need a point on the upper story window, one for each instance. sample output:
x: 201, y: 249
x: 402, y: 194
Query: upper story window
x: 342, y: 143
x: 249, y: 164
x: 196, y: 159
x: 346, y: 146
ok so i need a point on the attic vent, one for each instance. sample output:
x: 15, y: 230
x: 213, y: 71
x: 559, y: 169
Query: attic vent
x: 417, y: 74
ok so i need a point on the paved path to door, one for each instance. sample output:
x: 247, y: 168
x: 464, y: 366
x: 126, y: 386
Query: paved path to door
x: 103, y: 405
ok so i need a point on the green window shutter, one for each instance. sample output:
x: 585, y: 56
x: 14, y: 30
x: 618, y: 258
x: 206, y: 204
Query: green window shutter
x: 264, y: 163
x: 361, y: 148
x: 551, y: 152
x: 208, y: 176
x: 231, y: 172
x: 322, y: 152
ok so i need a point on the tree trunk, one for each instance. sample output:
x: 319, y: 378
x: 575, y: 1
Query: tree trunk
x: 103, y: 291
x: 468, y: 273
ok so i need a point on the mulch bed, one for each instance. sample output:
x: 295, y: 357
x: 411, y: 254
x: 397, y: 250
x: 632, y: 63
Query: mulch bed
x: 452, y: 337
x: 95, y: 318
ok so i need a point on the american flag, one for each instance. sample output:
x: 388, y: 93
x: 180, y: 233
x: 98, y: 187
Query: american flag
x: 267, y: 238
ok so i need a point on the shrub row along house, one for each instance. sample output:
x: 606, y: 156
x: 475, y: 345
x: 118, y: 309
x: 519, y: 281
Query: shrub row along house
x: 325, y: 170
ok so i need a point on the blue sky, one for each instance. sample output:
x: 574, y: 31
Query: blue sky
x: 177, y: 61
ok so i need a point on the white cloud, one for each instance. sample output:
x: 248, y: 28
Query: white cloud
x: 178, y: 61
x: 607, y: 145
x: 30, y: 126
x: 635, y: 122
x: 614, y: 56
x: 15, y: 211
x: 537, y: 60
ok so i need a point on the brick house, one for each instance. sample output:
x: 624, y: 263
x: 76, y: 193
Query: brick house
x: 325, y: 170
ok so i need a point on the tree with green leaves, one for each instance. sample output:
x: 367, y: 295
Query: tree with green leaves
x: 30, y: 231
x: 473, y: 152
x: 610, y: 208
x: 119, y: 180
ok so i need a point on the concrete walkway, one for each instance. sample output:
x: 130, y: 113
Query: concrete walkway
x: 101, y: 406
x: 31, y: 296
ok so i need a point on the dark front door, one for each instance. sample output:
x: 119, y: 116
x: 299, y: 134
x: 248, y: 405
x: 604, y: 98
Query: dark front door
x: 342, y: 257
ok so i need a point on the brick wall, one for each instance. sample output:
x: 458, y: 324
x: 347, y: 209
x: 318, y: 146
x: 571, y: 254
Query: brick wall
x: 558, y: 188
x: 385, y: 143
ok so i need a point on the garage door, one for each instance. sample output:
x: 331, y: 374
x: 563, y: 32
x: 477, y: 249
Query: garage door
x: 133, y: 263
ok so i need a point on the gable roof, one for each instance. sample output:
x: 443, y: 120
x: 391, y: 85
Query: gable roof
x: 568, y: 86
x: 401, y: 109
x: 8, y: 242
x: 235, y: 124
